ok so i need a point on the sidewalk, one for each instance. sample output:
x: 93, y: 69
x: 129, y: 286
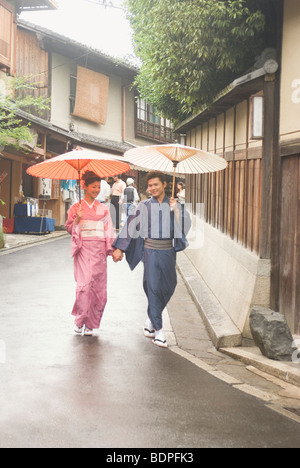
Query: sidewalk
x: 14, y: 242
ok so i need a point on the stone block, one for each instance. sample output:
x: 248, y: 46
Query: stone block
x: 271, y: 334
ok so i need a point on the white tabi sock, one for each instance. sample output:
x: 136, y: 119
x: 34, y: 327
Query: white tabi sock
x: 159, y: 335
x: 149, y: 325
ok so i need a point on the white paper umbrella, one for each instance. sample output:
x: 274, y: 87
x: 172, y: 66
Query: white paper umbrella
x: 176, y: 159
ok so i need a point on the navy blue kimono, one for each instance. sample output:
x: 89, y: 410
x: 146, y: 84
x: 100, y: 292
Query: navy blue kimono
x: 152, y: 220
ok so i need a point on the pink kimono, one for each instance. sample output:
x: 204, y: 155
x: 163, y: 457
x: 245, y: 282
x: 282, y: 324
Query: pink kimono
x: 92, y: 242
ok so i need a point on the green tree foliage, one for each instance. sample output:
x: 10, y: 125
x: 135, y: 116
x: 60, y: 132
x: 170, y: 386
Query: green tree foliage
x: 18, y: 94
x: 191, y: 49
x: 15, y: 95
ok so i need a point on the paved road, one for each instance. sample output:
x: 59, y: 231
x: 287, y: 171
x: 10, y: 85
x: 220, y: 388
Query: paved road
x: 115, y: 389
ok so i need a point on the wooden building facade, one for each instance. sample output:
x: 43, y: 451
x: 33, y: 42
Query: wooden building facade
x: 92, y: 105
x: 231, y: 198
x: 13, y: 60
x: 253, y: 206
x: 287, y: 260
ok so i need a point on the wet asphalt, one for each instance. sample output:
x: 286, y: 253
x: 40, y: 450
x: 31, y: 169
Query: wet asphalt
x: 115, y: 389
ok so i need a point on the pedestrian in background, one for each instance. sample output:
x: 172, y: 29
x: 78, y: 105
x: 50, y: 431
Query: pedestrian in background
x: 105, y: 190
x: 181, y: 193
x: 116, y: 193
x: 130, y: 197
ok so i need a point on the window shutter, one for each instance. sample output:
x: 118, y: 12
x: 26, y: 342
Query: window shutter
x: 91, y: 96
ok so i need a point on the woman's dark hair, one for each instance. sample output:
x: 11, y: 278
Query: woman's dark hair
x: 90, y: 177
x: 157, y: 175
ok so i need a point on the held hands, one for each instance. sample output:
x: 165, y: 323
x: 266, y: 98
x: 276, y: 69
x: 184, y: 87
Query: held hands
x: 117, y: 255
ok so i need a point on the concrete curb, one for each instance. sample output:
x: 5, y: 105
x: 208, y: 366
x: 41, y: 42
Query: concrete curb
x: 23, y: 241
x: 288, y: 372
x: 222, y: 330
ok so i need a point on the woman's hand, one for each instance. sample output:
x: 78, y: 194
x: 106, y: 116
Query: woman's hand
x: 79, y: 216
x: 117, y: 255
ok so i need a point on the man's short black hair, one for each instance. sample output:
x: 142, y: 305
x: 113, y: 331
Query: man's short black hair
x: 157, y: 175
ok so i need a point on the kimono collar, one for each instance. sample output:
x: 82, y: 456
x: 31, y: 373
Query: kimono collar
x: 90, y: 206
x: 165, y: 200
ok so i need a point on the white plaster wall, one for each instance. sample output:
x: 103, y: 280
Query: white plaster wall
x: 63, y: 68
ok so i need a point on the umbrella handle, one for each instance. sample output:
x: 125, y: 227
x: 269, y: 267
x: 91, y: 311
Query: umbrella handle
x: 175, y: 164
x: 79, y: 182
x: 79, y: 191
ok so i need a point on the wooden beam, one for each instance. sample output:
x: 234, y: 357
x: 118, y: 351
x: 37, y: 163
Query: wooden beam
x: 267, y: 169
x: 277, y: 176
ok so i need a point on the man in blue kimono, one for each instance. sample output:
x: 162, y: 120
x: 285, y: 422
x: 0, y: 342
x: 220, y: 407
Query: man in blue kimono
x: 155, y: 233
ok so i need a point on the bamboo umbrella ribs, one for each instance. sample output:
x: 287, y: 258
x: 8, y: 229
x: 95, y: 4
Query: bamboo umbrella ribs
x: 72, y: 166
x: 175, y: 159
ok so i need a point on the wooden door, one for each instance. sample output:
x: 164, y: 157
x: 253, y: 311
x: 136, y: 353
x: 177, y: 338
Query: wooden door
x: 290, y: 243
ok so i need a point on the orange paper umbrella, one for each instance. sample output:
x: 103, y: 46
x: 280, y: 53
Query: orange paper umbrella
x: 72, y: 165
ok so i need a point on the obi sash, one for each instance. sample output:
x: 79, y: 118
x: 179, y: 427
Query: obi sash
x: 92, y: 229
x: 159, y: 244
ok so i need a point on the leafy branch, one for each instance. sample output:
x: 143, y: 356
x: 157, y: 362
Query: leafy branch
x: 18, y: 94
x: 191, y: 50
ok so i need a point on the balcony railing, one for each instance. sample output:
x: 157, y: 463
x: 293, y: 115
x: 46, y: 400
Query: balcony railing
x: 154, y: 131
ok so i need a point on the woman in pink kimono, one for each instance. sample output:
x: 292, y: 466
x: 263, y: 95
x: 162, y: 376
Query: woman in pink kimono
x: 90, y: 225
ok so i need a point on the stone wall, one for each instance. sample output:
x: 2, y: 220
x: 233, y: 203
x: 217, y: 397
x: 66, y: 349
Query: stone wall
x: 234, y: 278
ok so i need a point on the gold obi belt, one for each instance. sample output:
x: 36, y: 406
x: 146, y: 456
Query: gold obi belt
x: 92, y: 229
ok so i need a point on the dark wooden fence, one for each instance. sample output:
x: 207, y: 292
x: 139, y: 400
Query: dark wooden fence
x: 232, y: 199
